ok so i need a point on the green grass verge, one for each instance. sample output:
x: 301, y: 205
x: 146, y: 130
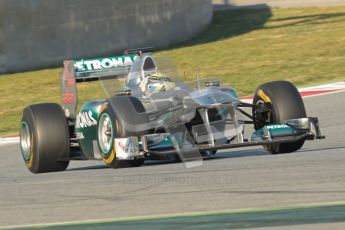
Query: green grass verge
x: 243, y: 47
x: 224, y: 219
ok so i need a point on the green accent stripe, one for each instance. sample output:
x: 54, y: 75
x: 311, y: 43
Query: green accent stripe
x: 244, y: 218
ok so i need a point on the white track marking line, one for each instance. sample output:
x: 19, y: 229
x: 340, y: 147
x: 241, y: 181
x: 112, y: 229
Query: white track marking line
x: 9, y: 141
x: 327, y: 93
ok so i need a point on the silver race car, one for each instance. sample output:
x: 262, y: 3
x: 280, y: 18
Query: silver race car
x: 148, y: 113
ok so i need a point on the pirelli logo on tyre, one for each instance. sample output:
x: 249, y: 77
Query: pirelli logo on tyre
x: 264, y: 97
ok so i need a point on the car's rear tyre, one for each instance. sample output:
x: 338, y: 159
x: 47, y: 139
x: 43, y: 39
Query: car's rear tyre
x: 44, y: 138
x: 285, y: 102
x: 112, y: 125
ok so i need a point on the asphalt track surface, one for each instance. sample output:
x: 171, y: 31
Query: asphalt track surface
x: 238, y: 179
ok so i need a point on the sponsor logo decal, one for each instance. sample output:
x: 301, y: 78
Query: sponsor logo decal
x: 85, y: 119
x: 80, y: 135
x: 68, y: 98
x: 277, y: 126
x: 126, y: 147
x: 103, y: 63
x: 264, y: 97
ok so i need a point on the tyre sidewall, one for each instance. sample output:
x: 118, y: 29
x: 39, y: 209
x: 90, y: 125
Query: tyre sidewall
x: 108, y: 155
x: 33, y: 161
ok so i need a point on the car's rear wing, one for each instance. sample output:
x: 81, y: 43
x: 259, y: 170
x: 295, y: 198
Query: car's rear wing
x: 93, y: 69
x: 75, y: 71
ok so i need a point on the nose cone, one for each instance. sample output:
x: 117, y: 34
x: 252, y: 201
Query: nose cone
x: 213, y: 95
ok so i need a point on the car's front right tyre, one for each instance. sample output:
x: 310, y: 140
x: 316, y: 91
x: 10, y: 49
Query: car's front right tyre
x: 285, y: 102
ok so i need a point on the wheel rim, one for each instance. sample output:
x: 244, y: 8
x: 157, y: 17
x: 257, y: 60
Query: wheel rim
x: 268, y: 119
x: 25, y: 140
x: 105, y: 133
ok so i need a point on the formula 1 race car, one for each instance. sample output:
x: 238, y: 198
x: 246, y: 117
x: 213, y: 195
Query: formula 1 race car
x: 149, y: 113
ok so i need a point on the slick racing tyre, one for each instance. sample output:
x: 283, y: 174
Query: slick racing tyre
x: 284, y: 102
x: 111, y: 124
x: 44, y: 138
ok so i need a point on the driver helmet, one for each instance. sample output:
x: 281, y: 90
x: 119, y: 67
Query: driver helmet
x: 156, y: 82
